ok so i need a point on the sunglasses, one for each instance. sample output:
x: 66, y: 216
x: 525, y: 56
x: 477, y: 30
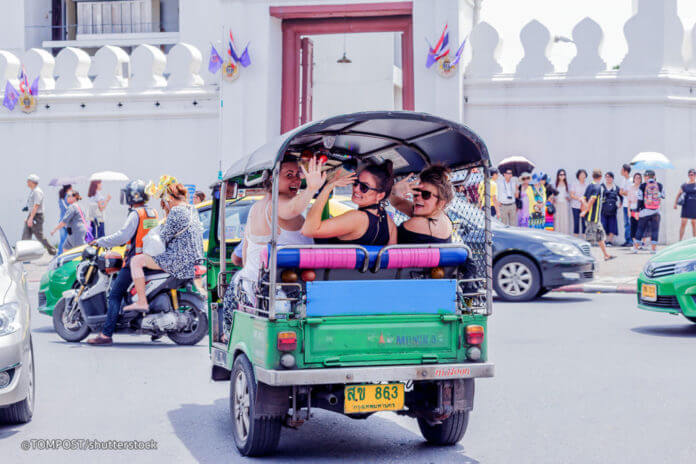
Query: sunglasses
x: 425, y: 194
x: 364, y: 188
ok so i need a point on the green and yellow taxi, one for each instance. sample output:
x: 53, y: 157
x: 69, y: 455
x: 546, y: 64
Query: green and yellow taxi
x: 668, y: 281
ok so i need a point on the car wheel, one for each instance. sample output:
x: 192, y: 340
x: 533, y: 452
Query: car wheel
x: 21, y: 412
x: 516, y: 278
x: 254, y: 435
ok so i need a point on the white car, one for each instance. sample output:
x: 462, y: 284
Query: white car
x: 16, y: 352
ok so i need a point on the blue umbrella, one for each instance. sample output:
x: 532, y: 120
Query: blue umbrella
x: 651, y: 160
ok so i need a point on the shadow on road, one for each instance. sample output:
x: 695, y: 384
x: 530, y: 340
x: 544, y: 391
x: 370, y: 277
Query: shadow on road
x: 44, y: 329
x: 126, y: 345
x: 206, y: 430
x: 547, y: 299
x: 683, y: 331
x: 7, y: 431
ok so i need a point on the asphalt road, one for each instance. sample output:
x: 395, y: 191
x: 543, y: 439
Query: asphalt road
x: 579, y: 379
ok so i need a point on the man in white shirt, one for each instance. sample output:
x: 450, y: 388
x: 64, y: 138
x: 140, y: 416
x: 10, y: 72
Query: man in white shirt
x: 507, y: 186
x: 624, y: 183
x: 33, y: 225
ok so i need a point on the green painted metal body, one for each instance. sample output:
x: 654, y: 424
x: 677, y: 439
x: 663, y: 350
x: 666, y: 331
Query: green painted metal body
x: 54, y: 283
x: 355, y: 340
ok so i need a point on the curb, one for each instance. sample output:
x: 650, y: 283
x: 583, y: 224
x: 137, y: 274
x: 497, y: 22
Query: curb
x: 598, y: 288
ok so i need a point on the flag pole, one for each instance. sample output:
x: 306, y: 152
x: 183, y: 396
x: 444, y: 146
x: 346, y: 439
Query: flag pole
x: 220, y: 114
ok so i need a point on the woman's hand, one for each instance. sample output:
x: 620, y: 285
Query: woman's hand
x: 313, y: 175
x: 405, y: 186
x: 343, y: 179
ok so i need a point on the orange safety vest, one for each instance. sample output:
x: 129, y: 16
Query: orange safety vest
x: 147, y: 219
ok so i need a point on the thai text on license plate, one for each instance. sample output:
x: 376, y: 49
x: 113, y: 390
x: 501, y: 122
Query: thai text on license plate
x: 648, y: 292
x: 368, y: 398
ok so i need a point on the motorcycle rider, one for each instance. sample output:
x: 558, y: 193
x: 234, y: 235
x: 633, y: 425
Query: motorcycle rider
x: 139, y: 222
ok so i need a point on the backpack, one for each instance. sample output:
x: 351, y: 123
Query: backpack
x: 611, y: 198
x: 652, y: 196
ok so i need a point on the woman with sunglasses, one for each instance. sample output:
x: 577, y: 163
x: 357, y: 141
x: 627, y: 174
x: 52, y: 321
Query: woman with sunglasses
x: 369, y: 224
x: 687, y: 197
x: 73, y: 221
x: 431, y: 194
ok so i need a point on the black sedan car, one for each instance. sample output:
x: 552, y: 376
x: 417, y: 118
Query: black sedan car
x: 527, y: 263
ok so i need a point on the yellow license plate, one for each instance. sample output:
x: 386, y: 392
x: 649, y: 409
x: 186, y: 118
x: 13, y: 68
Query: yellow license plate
x: 648, y: 292
x: 369, y: 398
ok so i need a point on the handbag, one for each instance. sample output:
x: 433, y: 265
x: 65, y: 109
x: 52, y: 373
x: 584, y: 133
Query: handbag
x: 550, y: 208
x: 89, y: 235
x: 153, y: 244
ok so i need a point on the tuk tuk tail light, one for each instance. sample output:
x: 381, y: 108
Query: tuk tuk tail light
x: 287, y: 341
x: 474, y: 334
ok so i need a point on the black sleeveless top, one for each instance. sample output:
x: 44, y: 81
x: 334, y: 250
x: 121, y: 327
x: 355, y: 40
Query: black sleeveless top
x: 410, y: 237
x: 377, y: 232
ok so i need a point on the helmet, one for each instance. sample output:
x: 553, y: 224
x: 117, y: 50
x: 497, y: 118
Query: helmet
x: 134, y: 192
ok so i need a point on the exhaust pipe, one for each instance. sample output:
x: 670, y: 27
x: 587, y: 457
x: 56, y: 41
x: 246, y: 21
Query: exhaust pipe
x: 329, y: 398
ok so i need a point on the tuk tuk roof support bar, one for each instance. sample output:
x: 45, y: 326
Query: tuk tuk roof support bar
x: 273, y: 258
x: 488, y: 240
x: 222, y: 239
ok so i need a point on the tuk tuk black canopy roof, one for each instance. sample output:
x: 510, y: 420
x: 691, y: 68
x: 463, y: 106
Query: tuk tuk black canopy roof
x: 411, y: 140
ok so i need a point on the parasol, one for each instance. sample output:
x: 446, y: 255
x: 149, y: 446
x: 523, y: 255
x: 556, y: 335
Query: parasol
x: 109, y: 176
x: 651, y: 160
x: 66, y: 180
x: 518, y: 165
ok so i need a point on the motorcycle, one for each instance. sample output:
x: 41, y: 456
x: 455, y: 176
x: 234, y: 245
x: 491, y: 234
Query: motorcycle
x: 176, y: 308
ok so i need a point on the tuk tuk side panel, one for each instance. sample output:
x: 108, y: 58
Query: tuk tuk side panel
x: 260, y: 336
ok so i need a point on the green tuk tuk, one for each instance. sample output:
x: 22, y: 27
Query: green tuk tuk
x: 397, y: 328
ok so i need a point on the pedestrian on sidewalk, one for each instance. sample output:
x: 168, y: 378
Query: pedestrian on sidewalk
x: 687, y: 198
x: 198, y: 197
x: 33, y: 225
x: 551, y: 194
x: 507, y: 188
x: 650, y: 195
x: 624, y: 183
x: 562, y: 214
x: 97, y: 205
x: 633, y: 204
x: 493, y: 192
x: 593, y: 199
x: 577, y: 191
x: 525, y: 196
x: 63, y: 206
x: 610, y: 208
x: 75, y: 222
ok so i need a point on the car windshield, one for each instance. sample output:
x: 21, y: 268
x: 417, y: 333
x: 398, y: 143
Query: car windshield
x: 235, y: 217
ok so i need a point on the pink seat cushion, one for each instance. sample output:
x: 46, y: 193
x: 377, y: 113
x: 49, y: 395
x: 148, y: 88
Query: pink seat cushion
x: 327, y: 259
x: 413, y: 257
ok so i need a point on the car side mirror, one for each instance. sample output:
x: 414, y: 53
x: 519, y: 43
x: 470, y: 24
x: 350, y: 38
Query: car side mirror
x: 27, y: 250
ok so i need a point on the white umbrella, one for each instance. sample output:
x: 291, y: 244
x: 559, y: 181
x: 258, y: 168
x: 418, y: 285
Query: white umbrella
x: 109, y: 176
x: 651, y: 160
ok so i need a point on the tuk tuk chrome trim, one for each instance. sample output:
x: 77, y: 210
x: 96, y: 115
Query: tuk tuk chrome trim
x: 346, y: 375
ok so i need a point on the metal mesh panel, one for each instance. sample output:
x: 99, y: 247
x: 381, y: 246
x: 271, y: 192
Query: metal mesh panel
x: 471, y: 227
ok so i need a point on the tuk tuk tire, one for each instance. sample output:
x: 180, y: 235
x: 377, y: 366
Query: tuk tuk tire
x: 263, y: 433
x: 447, y: 433
x: 72, y: 336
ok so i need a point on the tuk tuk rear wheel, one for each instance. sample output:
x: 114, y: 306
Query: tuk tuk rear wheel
x: 253, y: 436
x: 449, y: 432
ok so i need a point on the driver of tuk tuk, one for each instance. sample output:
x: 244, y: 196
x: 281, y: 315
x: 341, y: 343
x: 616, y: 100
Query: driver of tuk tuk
x: 424, y: 199
x: 292, y: 202
x: 369, y: 224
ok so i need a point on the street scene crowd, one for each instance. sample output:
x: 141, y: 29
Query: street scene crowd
x: 591, y: 206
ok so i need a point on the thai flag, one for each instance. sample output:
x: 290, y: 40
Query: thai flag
x: 34, y: 89
x: 440, y: 49
x: 244, y: 58
x: 215, y: 62
x: 11, y: 97
x: 23, y: 82
x: 458, y: 55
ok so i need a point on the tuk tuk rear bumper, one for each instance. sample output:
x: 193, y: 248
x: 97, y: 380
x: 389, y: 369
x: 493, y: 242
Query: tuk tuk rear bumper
x: 373, y: 374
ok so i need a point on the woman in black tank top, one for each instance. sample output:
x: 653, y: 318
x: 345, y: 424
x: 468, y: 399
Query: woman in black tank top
x: 369, y: 224
x: 431, y: 195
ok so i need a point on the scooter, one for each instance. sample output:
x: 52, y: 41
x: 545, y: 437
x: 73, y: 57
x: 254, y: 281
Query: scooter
x: 176, y: 308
